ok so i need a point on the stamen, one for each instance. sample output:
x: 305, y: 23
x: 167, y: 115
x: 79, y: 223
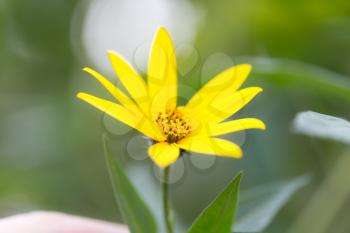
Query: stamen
x: 174, y: 125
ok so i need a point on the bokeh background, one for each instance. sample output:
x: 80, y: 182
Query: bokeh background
x: 51, y: 155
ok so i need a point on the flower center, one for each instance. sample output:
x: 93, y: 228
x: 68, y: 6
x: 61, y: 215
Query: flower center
x: 174, y: 125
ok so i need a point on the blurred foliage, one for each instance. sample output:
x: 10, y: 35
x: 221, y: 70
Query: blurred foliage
x: 44, y: 165
x: 50, y: 149
x: 311, y: 31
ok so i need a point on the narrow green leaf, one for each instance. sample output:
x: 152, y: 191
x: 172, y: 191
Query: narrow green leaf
x: 135, y: 212
x: 259, y: 205
x: 322, y: 126
x: 218, y: 217
x: 293, y: 74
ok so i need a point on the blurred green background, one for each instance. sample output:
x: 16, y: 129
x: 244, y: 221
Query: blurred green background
x: 51, y: 154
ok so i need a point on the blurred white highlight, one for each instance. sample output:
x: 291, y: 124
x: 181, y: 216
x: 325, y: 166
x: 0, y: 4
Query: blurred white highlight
x: 128, y: 26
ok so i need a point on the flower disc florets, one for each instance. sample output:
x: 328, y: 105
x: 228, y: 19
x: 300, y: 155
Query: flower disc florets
x: 174, y: 125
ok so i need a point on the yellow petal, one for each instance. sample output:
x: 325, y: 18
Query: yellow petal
x: 231, y: 79
x: 235, y: 125
x: 114, y: 110
x: 225, y: 104
x: 211, y: 146
x: 140, y: 123
x: 115, y: 91
x: 163, y: 153
x: 131, y: 80
x: 162, y: 72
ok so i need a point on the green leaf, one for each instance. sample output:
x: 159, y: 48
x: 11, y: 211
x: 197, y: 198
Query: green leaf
x: 218, y: 217
x: 322, y: 126
x: 293, y: 74
x: 259, y: 205
x: 135, y: 212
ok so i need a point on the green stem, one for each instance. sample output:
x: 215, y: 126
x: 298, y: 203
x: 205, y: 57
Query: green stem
x: 166, y: 205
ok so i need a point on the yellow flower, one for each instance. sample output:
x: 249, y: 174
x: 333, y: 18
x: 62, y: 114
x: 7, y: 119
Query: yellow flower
x: 151, y: 108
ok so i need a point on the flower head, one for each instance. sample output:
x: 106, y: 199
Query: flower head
x: 151, y: 107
